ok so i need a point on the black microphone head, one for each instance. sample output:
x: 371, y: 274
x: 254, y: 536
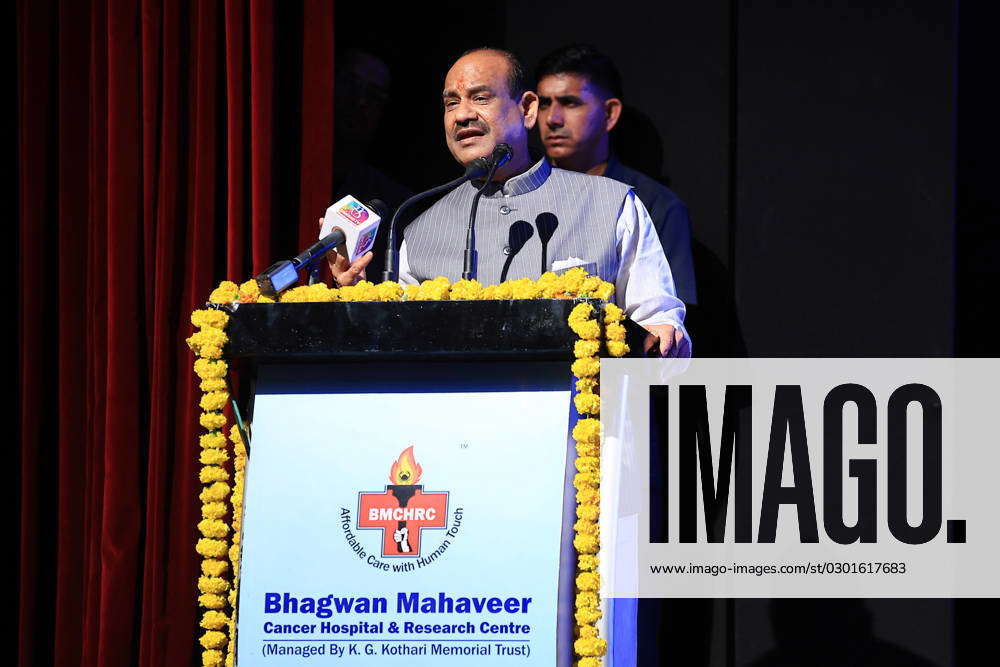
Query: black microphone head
x: 501, y: 155
x: 379, y: 206
x: 477, y: 167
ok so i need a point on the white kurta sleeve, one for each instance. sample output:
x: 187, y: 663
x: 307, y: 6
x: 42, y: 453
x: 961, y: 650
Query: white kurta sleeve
x: 644, y: 287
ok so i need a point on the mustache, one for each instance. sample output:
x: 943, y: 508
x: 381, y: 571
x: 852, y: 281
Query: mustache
x: 471, y: 125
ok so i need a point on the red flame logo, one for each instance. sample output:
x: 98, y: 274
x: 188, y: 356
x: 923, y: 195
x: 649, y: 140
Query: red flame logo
x: 405, y: 469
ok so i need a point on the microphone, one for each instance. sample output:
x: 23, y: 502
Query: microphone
x: 278, y: 277
x: 499, y: 157
x: 379, y: 206
x: 348, y: 225
x: 476, y: 168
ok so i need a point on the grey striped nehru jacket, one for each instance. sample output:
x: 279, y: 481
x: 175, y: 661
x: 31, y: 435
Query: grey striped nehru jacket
x: 559, y: 213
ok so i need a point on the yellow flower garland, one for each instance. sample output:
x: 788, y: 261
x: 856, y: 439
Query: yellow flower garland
x: 588, y: 645
x: 207, y: 343
x: 239, y: 465
x: 218, y: 590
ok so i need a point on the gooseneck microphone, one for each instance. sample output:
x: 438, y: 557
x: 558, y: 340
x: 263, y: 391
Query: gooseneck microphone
x: 477, y: 167
x: 500, y: 156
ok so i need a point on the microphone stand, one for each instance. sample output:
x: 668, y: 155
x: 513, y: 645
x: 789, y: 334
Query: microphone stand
x: 391, y: 272
x: 469, y: 269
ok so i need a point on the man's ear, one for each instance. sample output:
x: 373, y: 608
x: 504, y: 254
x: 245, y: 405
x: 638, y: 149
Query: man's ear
x: 529, y: 108
x: 612, y: 112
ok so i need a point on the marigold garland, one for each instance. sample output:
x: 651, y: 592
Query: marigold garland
x: 587, y: 434
x: 239, y: 466
x: 207, y: 343
x: 220, y: 543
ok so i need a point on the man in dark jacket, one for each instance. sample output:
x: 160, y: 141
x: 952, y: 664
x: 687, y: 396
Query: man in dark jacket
x: 580, y: 102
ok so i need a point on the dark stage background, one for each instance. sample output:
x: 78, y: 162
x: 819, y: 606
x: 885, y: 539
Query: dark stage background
x: 838, y: 160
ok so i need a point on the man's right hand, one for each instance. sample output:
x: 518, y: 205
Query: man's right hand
x: 345, y: 273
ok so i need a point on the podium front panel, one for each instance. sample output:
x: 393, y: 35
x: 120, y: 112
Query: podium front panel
x: 405, y: 513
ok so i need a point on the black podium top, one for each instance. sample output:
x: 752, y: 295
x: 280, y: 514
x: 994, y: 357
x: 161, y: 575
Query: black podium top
x: 340, y: 331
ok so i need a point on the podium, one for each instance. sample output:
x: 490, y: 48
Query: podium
x: 409, y: 493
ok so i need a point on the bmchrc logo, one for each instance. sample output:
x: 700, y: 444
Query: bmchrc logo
x: 401, y: 513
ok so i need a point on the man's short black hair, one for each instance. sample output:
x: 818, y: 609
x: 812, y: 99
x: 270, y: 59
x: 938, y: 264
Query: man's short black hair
x: 517, y: 80
x: 585, y: 60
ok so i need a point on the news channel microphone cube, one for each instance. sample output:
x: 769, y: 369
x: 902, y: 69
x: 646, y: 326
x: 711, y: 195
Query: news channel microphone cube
x: 358, y: 222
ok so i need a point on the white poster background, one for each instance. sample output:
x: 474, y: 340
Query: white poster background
x: 500, y: 456
x: 971, y: 462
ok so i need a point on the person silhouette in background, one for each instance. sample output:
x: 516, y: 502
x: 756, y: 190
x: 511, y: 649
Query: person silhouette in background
x: 362, y: 87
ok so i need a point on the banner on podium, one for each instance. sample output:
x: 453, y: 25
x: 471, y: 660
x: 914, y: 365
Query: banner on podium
x: 403, y: 528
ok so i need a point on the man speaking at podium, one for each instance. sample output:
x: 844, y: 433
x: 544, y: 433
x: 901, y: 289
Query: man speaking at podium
x: 531, y: 215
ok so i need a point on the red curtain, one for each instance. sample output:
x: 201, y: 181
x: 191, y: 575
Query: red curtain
x: 163, y: 146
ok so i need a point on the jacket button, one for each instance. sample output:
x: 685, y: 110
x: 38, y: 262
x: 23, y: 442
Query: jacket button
x: 504, y: 210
